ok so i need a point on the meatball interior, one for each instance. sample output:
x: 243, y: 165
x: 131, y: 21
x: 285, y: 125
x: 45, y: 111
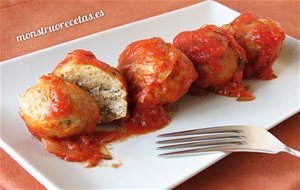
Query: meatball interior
x: 107, y: 86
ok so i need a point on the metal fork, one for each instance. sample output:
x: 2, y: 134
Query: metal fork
x: 235, y: 138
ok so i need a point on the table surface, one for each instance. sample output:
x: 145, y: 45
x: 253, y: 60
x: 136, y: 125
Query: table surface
x: 236, y: 171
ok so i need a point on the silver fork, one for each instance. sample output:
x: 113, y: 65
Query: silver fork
x: 235, y: 138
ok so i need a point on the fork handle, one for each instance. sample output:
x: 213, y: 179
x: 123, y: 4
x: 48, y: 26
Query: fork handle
x: 293, y: 152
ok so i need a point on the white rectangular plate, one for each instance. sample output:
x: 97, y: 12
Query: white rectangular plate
x: 275, y: 101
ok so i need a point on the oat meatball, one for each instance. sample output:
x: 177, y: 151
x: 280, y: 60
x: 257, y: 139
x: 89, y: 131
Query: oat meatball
x: 56, y: 108
x: 217, y: 57
x: 156, y: 71
x: 262, y: 39
x: 107, y: 86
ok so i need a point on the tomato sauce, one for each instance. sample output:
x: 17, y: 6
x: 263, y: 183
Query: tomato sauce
x: 91, y: 148
x: 232, y: 89
x: 145, y: 118
x: 86, y: 148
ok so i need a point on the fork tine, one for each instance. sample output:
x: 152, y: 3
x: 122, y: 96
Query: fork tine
x: 202, y: 138
x: 238, y: 138
x: 222, y: 148
x: 217, y: 142
x: 220, y: 129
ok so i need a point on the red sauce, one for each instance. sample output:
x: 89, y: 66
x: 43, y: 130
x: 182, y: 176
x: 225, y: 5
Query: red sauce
x: 233, y: 89
x: 88, y: 148
x: 145, y: 118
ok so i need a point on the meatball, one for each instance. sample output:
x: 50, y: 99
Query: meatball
x: 157, y: 74
x: 107, y: 86
x: 156, y: 71
x: 218, y: 59
x: 55, y: 108
x: 262, y: 39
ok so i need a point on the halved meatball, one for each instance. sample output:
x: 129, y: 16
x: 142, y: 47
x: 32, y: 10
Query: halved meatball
x: 262, y: 39
x: 56, y: 108
x: 107, y: 86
